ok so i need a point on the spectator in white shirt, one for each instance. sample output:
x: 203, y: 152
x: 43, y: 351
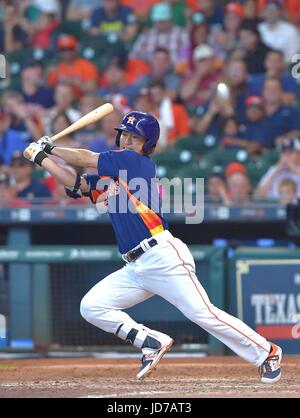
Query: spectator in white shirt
x: 277, y: 33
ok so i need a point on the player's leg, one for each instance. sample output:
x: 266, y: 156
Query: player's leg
x: 180, y: 286
x: 103, y: 307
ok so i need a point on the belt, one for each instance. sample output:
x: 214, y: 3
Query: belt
x: 136, y: 252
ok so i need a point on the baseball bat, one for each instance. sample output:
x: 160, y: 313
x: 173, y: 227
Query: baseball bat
x: 91, y: 117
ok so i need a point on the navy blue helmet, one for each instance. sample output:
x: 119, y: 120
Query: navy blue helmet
x: 142, y: 124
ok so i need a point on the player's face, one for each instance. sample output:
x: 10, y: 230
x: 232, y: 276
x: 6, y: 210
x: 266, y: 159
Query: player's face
x: 131, y: 141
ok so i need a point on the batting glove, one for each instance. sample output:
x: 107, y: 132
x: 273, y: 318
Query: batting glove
x: 46, y: 144
x: 35, y: 153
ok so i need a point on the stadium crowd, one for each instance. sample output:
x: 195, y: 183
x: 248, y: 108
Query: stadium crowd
x: 223, y: 79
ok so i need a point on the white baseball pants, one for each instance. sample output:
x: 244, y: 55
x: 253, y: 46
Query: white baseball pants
x: 167, y: 270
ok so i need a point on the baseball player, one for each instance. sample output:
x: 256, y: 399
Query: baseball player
x: 156, y: 262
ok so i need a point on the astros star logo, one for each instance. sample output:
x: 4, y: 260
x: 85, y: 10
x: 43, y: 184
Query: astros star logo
x: 131, y: 119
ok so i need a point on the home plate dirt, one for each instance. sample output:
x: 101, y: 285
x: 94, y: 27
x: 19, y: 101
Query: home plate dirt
x: 115, y: 378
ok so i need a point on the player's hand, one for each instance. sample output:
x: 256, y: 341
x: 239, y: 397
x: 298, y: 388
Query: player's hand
x: 35, y: 153
x: 46, y: 144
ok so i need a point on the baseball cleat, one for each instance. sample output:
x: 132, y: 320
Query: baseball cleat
x: 270, y: 371
x: 149, y: 361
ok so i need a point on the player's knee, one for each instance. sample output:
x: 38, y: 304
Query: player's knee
x: 86, y: 310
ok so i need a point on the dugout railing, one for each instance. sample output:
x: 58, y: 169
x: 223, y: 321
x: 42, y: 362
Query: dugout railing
x: 41, y: 288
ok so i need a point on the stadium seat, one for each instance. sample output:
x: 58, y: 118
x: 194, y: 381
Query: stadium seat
x: 72, y: 27
x: 197, y: 143
x: 221, y: 157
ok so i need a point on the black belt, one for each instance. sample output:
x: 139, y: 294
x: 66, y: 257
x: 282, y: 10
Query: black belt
x: 134, y: 254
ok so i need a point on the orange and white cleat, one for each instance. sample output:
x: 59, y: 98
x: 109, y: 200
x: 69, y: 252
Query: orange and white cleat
x: 270, y: 371
x: 149, y: 361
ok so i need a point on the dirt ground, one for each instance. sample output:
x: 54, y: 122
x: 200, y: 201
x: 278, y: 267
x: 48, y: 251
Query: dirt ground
x: 115, y: 378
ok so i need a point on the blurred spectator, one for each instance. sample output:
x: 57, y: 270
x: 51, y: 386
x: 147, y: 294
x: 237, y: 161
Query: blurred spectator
x: 229, y: 132
x: 27, y: 188
x: 113, y: 19
x: 162, y: 34
x: 10, y: 140
x: 291, y: 8
x: 161, y: 67
x: 144, y: 101
x: 92, y: 131
x: 238, y: 184
x: 33, y: 90
x: 254, y: 50
x: 49, y: 6
x: 280, y: 119
x: 276, y: 67
x: 198, y: 35
x: 228, y: 100
x: 24, y: 120
x: 254, y: 131
x: 227, y: 39
x: 287, y: 192
x: 216, y: 189
x: 81, y: 9
x: 278, y: 34
x: 79, y: 72
x: 198, y: 87
x: 172, y: 116
x: 288, y: 167
x: 115, y: 76
x: 107, y: 140
x: 13, y: 36
x: 63, y: 103
x: 213, y: 13
x: 41, y: 31
x: 251, y: 11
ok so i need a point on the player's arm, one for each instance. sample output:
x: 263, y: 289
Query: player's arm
x: 71, y: 180
x: 77, y: 157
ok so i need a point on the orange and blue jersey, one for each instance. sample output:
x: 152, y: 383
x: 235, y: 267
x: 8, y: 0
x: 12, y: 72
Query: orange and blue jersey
x: 134, y: 202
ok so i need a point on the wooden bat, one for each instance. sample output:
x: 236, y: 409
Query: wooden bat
x: 85, y: 120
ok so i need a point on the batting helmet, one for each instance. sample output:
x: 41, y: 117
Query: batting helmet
x: 142, y: 124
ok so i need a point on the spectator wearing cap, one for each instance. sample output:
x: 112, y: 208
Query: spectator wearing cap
x: 275, y: 66
x: 79, y: 72
x: 288, y: 167
x: 238, y: 184
x: 13, y: 34
x: 114, y: 19
x: 281, y: 119
x: 10, y: 140
x: 162, y: 34
x: 161, y: 67
x: 116, y: 83
x: 255, y: 50
x: 173, y: 117
x: 277, y: 33
x: 198, y: 87
x: 216, y: 191
x: 27, y: 188
x: 226, y: 39
x: 254, y: 132
x: 35, y: 92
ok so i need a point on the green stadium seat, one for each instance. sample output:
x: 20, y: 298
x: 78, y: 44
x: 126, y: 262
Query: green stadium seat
x: 197, y: 143
x: 222, y: 158
x: 71, y: 27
